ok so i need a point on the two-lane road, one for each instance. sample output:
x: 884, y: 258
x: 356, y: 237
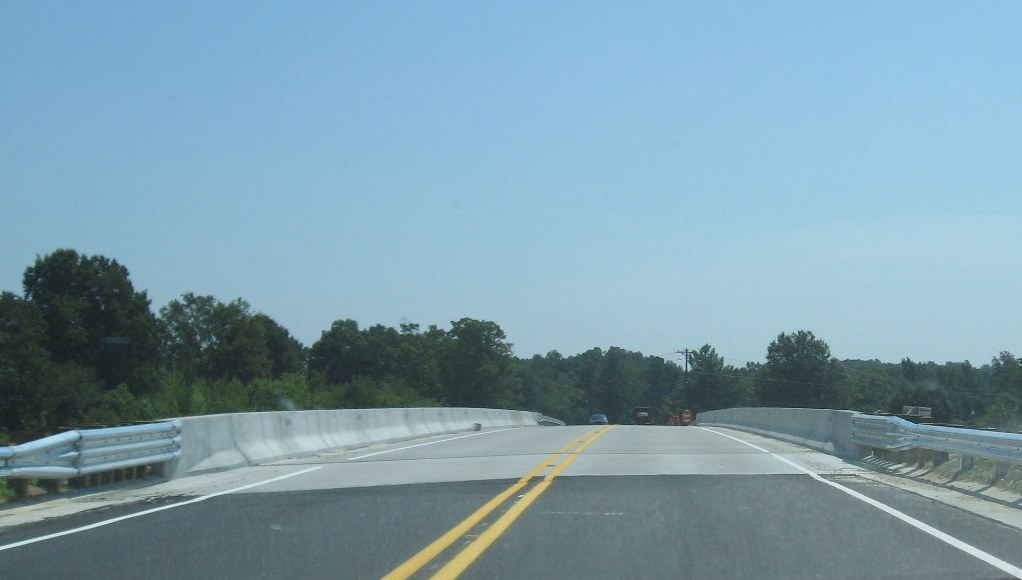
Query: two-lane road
x: 570, y: 502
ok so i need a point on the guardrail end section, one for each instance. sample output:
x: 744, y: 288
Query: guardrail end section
x: 90, y: 457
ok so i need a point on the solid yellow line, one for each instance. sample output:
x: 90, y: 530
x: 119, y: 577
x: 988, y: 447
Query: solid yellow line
x: 594, y: 433
x: 416, y: 562
x: 471, y: 553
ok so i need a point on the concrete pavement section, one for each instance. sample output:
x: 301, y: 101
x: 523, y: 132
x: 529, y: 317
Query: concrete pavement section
x: 672, y: 501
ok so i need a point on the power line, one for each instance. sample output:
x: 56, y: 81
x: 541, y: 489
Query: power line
x: 687, y: 352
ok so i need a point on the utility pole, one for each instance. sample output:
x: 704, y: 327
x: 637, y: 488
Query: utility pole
x: 686, y: 352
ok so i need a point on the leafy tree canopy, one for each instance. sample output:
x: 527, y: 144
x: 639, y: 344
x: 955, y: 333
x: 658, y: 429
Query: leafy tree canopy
x: 94, y: 317
x: 799, y: 372
x: 82, y: 345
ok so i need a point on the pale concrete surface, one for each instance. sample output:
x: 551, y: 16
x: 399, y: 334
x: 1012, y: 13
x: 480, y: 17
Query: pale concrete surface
x: 156, y: 490
x: 723, y: 509
x: 228, y: 441
x: 498, y: 455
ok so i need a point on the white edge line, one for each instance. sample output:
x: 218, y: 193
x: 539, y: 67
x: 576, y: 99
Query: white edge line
x: 219, y: 493
x: 153, y: 510
x: 427, y: 443
x: 946, y: 538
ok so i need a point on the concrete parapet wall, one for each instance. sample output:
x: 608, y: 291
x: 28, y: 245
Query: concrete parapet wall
x: 219, y: 442
x: 825, y: 430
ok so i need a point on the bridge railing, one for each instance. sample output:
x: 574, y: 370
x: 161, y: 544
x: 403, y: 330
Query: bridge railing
x: 88, y: 451
x: 545, y: 421
x: 220, y: 442
x: 857, y: 435
x: 897, y: 434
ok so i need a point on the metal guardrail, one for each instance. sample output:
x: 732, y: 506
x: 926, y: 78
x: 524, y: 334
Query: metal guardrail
x: 897, y: 434
x: 545, y: 421
x: 88, y: 451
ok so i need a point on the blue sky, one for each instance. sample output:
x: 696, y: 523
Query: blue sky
x: 584, y: 174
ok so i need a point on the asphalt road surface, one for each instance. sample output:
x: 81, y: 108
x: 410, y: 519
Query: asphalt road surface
x: 557, y: 502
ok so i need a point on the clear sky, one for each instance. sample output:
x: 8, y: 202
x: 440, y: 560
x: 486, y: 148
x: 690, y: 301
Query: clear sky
x: 654, y: 176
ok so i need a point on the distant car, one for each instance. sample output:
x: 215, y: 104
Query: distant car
x: 598, y: 419
x: 642, y: 416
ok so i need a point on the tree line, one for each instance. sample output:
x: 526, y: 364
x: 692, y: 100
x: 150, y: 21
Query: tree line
x: 82, y: 346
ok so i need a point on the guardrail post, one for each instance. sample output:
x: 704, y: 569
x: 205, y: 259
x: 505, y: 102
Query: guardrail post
x: 20, y: 487
x: 967, y: 462
x: 1001, y: 469
x: 50, y: 485
x: 906, y: 457
x: 937, y: 458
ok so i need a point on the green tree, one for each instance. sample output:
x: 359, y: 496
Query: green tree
x: 23, y: 360
x: 662, y: 378
x: 418, y: 359
x: 747, y: 387
x: 547, y: 387
x: 119, y: 406
x: 1007, y: 374
x: 1004, y: 412
x: 917, y: 394
x: 241, y: 350
x: 38, y: 394
x: 622, y: 382
x: 964, y: 387
x: 203, y: 337
x: 799, y: 372
x: 287, y: 355
x: 912, y: 371
x: 341, y: 354
x: 870, y: 391
x: 95, y: 318
x: 188, y: 334
x: 476, y: 367
x: 407, y: 364
x: 711, y: 384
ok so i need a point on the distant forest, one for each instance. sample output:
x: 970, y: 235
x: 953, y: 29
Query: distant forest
x: 80, y: 346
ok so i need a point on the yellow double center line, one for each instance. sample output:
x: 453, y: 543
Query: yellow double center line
x: 470, y: 553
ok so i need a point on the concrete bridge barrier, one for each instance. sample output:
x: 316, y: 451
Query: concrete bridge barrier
x: 220, y: 442
x: 825, y: 430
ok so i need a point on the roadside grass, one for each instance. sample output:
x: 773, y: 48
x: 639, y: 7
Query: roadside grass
x: 983, y: 471
x: 7, y: 492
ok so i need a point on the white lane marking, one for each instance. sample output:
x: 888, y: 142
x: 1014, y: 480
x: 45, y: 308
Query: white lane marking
x: 153, y: 510
x: 946, y: 538
x: 427, y: 443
